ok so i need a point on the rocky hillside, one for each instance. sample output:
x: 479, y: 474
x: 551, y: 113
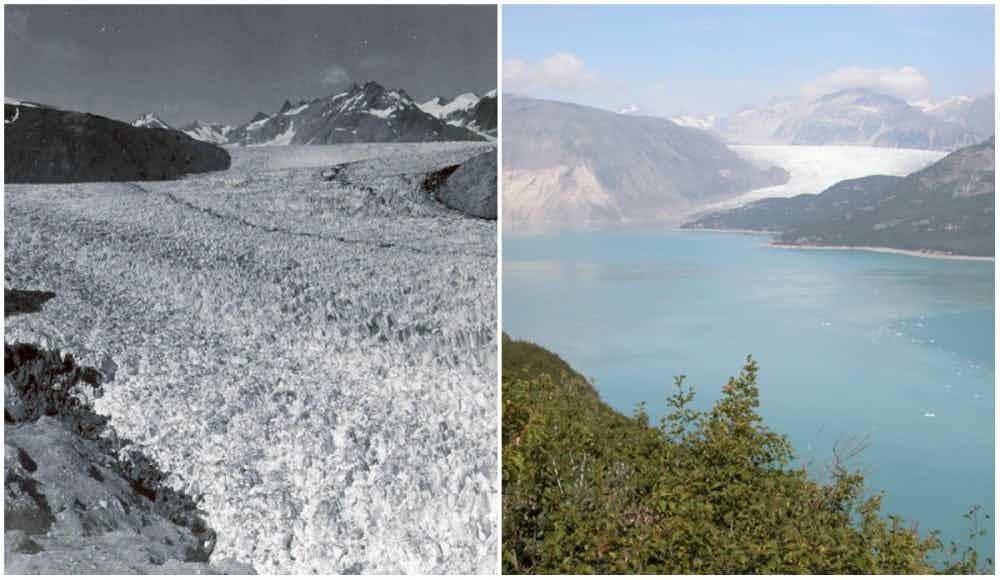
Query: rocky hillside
x: 570, y: 165
x: 361, y: 114
x: 78, y: 499
x: 947, y: 207
x: 46, y: 145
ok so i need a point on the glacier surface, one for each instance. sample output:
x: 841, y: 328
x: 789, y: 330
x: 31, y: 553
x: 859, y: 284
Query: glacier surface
x: 813, y: 168
x: 310, y: 350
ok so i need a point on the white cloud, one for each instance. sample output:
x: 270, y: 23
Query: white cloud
x: 336, y: 75
x: 563, y: 71
x: 905, y: 82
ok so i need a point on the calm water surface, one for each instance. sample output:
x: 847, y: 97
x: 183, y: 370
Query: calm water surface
x: 851, y: 344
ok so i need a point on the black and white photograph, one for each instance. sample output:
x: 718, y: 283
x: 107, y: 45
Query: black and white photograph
x: 250, y: 289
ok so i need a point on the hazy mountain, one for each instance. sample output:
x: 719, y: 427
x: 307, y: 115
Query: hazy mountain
x: 756, y: 125
x: 468, y: 110
x: 150, y: 121
x: 855, y: 117
x: 973, y: 114
x: 703, y: 122
x: 47, y: 145
x: 862, y: 117
x: 571, y: 165
x: 368, y: 113
x: 946, y: 207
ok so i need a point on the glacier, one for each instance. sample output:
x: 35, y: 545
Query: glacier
x: 306, y: 341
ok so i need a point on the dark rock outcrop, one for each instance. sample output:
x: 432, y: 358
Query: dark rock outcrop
x: 24, y: 301
x: 484, y: 115
x: 45, y: 145
x: 470, y: 188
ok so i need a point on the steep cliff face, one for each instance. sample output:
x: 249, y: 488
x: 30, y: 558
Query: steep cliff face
x: 45, y: 145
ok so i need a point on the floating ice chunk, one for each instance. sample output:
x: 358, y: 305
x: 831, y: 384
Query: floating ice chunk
x: 930, y: 414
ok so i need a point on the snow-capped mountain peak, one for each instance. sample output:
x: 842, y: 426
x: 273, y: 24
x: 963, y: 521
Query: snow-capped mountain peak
x: 150, y: 121
x: 362, y: 113
x: 443, y: 108
x: 703, y: 122
x: 629, y: 110
x: 929, y: 106
x: 211, y: 132
x: 373, y: 99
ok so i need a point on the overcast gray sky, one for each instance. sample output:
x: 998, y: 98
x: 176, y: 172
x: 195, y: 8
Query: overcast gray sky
x: 224, y: 63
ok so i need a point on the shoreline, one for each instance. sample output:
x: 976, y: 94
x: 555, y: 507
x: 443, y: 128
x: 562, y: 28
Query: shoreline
x: 930, y: 254
x: 723, y: 231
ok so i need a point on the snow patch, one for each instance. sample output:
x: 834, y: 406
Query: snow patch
x: 382, y: 113
x: 258, y: 124
x: 462, y: 102
x: 297, y: 110
x: 19, y: 103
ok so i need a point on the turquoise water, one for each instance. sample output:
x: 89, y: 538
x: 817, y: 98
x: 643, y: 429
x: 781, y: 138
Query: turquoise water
x: 895, y: 349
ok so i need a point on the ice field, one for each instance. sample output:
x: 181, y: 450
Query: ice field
x: 813, y: 168
x: 310, y: 349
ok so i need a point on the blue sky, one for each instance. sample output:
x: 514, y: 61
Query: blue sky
x: 715, y: 59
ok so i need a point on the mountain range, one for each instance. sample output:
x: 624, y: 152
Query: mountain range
x: 947, y: 207
x: 855, y: 117
x: 362, y: 113
x: 571, y: 165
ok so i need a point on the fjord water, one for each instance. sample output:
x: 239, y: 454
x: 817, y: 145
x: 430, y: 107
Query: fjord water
x: 851, y: 344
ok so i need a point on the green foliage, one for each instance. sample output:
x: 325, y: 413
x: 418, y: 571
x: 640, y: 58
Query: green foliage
x: 589, y: 490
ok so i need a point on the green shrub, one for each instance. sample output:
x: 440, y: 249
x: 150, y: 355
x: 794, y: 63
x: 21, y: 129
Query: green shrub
x: 589, y: 490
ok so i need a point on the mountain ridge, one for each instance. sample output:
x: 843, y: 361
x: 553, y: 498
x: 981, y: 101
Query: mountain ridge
x: 361, y: 113
x: 853, y: 116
